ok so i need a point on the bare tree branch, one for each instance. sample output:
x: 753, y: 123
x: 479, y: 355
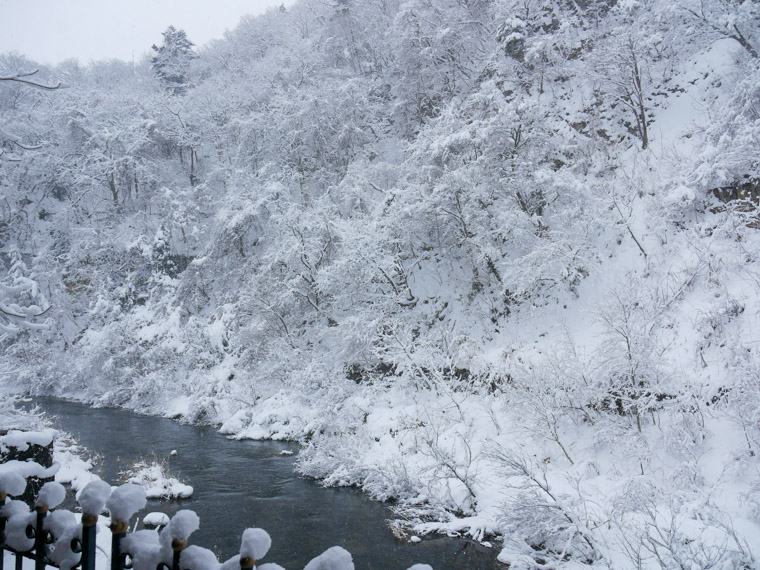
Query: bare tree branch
x: 22, y: 76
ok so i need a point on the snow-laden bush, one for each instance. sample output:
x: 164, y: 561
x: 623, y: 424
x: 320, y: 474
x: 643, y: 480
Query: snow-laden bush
x: 154, y: 477
x: 541, y: 524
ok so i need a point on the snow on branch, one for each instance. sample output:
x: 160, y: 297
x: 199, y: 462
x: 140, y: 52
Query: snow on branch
x: 23, y: 77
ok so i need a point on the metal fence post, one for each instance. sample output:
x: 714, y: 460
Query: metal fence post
x: 3, y: 496
x: 177, y: 546
x: 118, y: 531
x: 89, y: 525
x: 40, y: 550
x: 86, y: 546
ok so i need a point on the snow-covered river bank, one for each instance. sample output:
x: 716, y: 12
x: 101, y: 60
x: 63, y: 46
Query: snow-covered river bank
x: 251, y: 483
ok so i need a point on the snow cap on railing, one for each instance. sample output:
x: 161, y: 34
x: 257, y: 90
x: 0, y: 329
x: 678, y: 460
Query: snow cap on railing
x: 18, y: 518
x: 51, y: 495
x: 125, y: 501
x: 14, y: 508
x: 234, y: 564
x: 198, y: 558
x: 255, y: 544
x: 146, y: 548
x: 63, y: 555
x: 182, y: 525
x: 335, y: 558
x: 93, y: 497
x: 57, y: 521
x: 12, y: 484
x: 143, y: 547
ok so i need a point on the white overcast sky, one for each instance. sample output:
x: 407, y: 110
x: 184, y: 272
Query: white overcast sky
x: 50, y: 31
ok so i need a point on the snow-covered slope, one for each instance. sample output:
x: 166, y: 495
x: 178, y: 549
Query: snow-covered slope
x: 497, y: 261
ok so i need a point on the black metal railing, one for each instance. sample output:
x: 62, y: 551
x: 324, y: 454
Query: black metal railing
x: 81, y: 546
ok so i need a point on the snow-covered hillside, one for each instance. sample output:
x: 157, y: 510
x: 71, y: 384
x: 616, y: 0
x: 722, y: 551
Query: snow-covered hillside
x: 495, y: 260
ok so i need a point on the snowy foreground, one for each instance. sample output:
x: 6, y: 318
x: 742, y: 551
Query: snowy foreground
x: 146, y: 548
x: 495, y: 261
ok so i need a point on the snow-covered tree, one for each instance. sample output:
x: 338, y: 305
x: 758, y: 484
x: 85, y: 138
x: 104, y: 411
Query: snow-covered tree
x: 172, y: 59
x: 14, y: 77
x: 412, y: 230
x: 22, y: 304
x: 735, y: 20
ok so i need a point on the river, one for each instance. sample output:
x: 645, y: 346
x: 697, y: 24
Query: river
x: 240, y: 484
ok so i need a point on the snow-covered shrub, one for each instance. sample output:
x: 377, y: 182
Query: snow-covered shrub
x: 550, y: 398
x: 675, y: 527
x: 76, y: 462
x: 629, y: 377
x: 154, y: 477
x: 14, y: 417
x: 541, y: 524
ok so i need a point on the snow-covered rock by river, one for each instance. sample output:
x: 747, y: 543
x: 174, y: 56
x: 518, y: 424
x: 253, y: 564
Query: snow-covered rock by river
x: 153, y: 476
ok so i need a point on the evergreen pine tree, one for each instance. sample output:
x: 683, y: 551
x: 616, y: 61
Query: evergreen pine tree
x: 172, y: 60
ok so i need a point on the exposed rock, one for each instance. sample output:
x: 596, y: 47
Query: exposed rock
x: 748, y: 190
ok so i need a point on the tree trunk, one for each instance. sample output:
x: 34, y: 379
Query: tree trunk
x: 114, y: 190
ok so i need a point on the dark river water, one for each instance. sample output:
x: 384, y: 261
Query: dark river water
x: 240, y: 484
